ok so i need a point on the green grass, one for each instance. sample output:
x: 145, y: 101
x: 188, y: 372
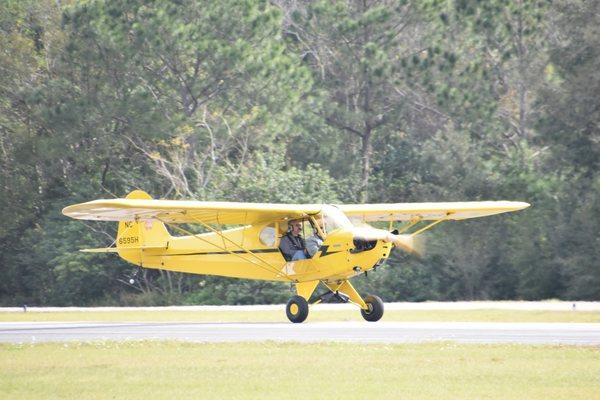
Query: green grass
x: 174, y: 370
x: 314, y: 315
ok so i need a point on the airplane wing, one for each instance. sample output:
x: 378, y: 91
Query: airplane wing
x: 139, y: 205
x: 429, y: 211
x: 178, y: 211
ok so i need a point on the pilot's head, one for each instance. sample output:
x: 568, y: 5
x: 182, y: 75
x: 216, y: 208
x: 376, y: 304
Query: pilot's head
x: 295, y: 227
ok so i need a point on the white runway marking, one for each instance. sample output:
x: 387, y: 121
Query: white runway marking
x: 362, y: 332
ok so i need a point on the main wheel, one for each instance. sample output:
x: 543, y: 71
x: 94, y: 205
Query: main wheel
x: 375, y: 311
x: 297, y: 309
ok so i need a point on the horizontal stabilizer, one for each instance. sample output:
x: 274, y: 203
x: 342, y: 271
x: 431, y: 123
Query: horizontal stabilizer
x: 100, y: 250
x: 115, y: 250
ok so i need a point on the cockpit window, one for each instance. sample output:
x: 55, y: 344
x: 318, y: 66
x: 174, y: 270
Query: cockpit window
x: 333, y: 218
x: 268, y: 235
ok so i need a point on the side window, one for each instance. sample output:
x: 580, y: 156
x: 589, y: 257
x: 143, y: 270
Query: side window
x: 268, y: 235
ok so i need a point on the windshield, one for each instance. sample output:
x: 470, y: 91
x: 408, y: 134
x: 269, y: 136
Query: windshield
x: 333, y: 218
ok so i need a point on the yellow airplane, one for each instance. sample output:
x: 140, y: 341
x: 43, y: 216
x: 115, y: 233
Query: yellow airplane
x: 250, y: 250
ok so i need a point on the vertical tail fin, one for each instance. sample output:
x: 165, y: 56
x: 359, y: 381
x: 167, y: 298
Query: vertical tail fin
x: 134, y: 236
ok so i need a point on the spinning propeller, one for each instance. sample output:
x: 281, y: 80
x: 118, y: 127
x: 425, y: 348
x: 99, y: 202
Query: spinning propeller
x: 410, y: 243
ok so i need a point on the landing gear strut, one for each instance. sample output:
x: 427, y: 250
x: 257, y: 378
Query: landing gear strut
x: 371, y: 307
x: 327, y: 297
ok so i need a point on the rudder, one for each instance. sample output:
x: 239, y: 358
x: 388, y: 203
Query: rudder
x: 134, y: 236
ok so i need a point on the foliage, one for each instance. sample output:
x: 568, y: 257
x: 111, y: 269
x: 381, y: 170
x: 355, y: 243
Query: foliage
x: 291, y: 101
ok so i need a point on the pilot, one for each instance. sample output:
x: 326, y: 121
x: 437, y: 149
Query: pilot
x: 313, y: 243
x: 292, y: 243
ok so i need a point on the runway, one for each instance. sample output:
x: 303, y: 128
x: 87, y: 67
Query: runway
x: 360, y: 332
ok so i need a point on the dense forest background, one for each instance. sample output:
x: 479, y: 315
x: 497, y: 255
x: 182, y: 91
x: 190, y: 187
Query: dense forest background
x: 303, y: 101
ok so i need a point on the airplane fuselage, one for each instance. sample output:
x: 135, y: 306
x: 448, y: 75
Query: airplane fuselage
x: 240, y: 253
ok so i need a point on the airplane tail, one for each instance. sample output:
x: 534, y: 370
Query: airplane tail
x: 133, y: 237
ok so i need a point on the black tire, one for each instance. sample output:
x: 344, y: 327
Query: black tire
x: 297, y: 309
x: 375, y: 311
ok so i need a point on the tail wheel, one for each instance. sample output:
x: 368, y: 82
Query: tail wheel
x: 297, y: 309
x: 375, y: 308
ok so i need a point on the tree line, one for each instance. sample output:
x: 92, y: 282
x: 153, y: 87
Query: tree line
x: 303, y: 101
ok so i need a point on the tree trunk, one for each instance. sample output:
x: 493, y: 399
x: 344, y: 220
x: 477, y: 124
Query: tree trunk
x: 366, y: 166
x: 522, y: 86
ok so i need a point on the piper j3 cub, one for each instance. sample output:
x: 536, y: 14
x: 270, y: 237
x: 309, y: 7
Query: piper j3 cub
x: 348, y: 245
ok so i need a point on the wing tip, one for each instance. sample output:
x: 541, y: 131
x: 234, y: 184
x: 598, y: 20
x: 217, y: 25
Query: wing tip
x: 521, y: 205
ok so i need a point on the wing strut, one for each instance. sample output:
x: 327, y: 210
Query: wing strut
x: 207, y: 226
x: 268, y: 267
x: 410, y: 225
x: 431, y: 225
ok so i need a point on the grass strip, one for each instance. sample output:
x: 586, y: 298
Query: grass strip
x: 314, y: 315
x: 171, y: 370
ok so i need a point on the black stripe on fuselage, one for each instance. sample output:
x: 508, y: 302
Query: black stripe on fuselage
x: 226, y: 252
x: 325, y: 251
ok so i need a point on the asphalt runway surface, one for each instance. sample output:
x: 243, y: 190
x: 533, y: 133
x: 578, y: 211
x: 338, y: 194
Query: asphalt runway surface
x: 361, y: 332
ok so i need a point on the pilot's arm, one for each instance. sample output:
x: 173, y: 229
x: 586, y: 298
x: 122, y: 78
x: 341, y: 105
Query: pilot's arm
x: 313, y: 244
